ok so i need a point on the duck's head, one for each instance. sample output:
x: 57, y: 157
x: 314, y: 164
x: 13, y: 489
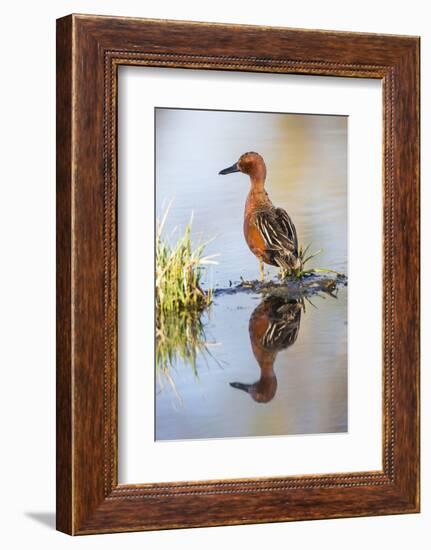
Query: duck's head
x: 250, y: 163
x: 262, y: 391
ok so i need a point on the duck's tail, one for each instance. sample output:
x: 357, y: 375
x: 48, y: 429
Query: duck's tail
x: 289, y: 262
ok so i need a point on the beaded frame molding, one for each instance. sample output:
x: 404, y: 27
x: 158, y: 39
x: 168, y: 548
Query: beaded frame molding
x: 89, y: 51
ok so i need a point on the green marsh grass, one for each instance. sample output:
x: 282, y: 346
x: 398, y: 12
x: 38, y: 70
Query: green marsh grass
x: 300, y: 273
x: 179, y: 271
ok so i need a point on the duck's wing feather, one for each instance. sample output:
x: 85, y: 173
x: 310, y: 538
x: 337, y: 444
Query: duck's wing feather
x: 280, y: 335
x: 289, y: 229
x: 283, y: 330
x: 278, y: 233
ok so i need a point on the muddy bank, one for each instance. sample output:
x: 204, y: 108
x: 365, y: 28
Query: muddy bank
x: 311, y: 284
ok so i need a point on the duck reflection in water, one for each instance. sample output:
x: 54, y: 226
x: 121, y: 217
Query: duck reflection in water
x: 273, y: 326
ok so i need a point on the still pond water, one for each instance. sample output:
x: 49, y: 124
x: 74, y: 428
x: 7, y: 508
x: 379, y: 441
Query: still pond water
x: 241, y: 388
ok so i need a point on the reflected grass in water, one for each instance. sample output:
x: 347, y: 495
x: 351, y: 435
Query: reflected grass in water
x: 179, y: 339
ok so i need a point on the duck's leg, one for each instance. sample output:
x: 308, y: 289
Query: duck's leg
x: 262, y: 272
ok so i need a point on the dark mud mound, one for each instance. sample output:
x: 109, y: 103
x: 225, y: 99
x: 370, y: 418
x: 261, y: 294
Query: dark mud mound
x: 309, y: 285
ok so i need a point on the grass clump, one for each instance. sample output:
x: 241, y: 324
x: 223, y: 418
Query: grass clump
x: 179, y: 271
x: 300, y: 273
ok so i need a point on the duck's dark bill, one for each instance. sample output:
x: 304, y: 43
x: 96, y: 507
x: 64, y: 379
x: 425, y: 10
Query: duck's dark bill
x: 240, y: 386
x: 230, y: 170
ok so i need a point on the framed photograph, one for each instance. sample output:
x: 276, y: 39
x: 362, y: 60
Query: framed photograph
x: 237, y: 274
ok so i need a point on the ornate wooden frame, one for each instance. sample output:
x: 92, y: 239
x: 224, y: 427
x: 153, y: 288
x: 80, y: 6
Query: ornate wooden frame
x: 89, y: 51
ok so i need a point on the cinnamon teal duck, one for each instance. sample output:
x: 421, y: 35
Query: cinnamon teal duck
x: 273, y: 326
x: 268, y: 230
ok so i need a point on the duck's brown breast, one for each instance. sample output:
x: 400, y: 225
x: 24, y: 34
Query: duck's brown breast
x: 256, y: 202
x: 254, y: 238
